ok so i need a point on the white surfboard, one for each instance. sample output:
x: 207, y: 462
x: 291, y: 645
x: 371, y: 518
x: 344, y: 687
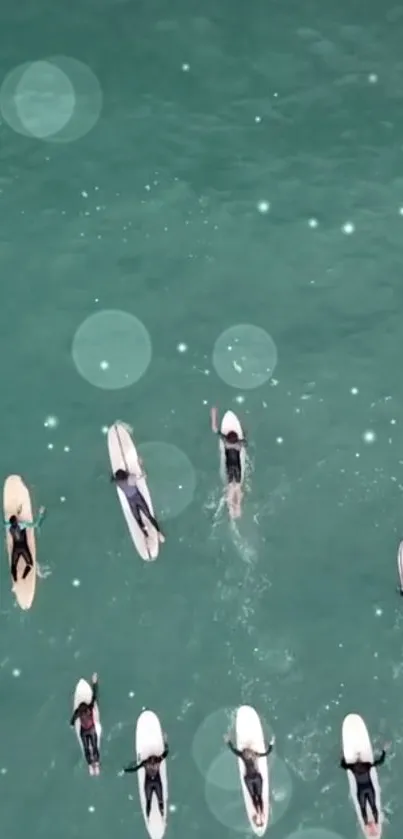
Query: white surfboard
x: 83, y: 693
x: 150, y: 741
x: 249, y: 733
x: 230, y: 422
x: 400, y: 563
x: 17, y: 501
x: 356, y: 740
x: 123, y: 455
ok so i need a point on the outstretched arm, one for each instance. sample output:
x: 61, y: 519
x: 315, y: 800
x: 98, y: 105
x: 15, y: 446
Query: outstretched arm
x: 36, y: 522
x: 164, y: 755
x: 381, y: 759
x: 268, y: 750
x: 40, y: 517
x: 233, y: 749
x: 74, y: 717
x: 94, y: 683
x: 214, y: 420
x: 134, y: 767
x: 345, y: 765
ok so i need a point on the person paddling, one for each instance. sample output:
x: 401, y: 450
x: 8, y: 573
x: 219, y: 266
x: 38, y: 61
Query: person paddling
x: 152, y: 778
x: 85, y: 714
x: 253, y: 778
x: 17, y: 529
x: 361, y: 770
x: 137, y: 503
x: 233, y: 445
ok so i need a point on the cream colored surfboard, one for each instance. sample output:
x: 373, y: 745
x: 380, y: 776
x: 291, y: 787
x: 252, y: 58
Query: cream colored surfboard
x: 17, y: 502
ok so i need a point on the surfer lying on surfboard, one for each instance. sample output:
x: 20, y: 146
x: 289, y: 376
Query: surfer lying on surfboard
x: 88, y: 734
x: 365, y: 789
x: 253, y: 778
x: 138, y: 505
x: 18, y: 532
x: 233, y: 446
x: 152, y: 779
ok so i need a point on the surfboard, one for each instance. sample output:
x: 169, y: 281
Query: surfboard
x: 83, y: 693
x: 400, y: 563
x: 356, y: 740
x: 249, y: 733
x: 230, y: 422
x: 150, y: 741
x: 16, y: 498
x: 123, y: 455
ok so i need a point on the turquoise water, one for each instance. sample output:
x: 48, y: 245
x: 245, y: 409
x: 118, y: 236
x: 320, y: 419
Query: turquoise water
x: 170, y: 173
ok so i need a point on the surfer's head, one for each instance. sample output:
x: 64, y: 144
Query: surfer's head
x: 249, y: 753
x: 358, y: 757
x: 120, y: 475
x: 13, y: 521
x: 232, y: 437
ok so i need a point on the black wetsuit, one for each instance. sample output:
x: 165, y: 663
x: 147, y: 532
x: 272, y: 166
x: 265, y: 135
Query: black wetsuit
x: 252, y: 777
x: 233, y: 458
x: 138, y: 506
x: 88, y: 734
x: 20, y: 549
x: 152, y: 780
x: 365, y: 788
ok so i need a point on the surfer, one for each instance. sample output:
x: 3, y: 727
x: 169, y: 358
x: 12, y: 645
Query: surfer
x: 18, y: 532
x: 152, y: 779
x: 233, y: 446
x: 85, y: 714
x: 253, y: 778
x: 138, y: 505
x: 361, y: 770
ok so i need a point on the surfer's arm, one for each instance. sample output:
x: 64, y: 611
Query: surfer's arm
x: 39, y: 519
x: 233, y: 749
x: 165, y: 754
x: 345, y: 765
x: 267, y: 752
x: 74, y: 717
x: 94, y: 694
x: 134, y: 767
x: 381, y: 759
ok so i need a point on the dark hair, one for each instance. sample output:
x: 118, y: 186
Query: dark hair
x: 13, y: 520
x: 232, y: 437
x: 120, y: 475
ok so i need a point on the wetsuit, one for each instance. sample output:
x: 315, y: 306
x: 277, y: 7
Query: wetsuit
x: 20, y: 547
x: 138, y: 504
x: 233, y: 458
x: 365, y: 788
x: 152, y: 780
x: 88, y: 734
x: 252, y: 777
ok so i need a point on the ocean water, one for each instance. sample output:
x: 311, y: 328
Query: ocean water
x: 203, y: 204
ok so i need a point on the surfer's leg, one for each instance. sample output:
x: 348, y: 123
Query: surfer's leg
x: 29, y: 563
x: 148, y: 792
x: 143, y: 506
x: 159, y: 793
x: 372, y: 803
x: 258, y: 789
x: 136, y: 510
x: 237, y: 468
x: 362, y: 800
x: 86, y: 741
x: 94, y: 745
x: 14, y: 562
x: 250, y: 786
